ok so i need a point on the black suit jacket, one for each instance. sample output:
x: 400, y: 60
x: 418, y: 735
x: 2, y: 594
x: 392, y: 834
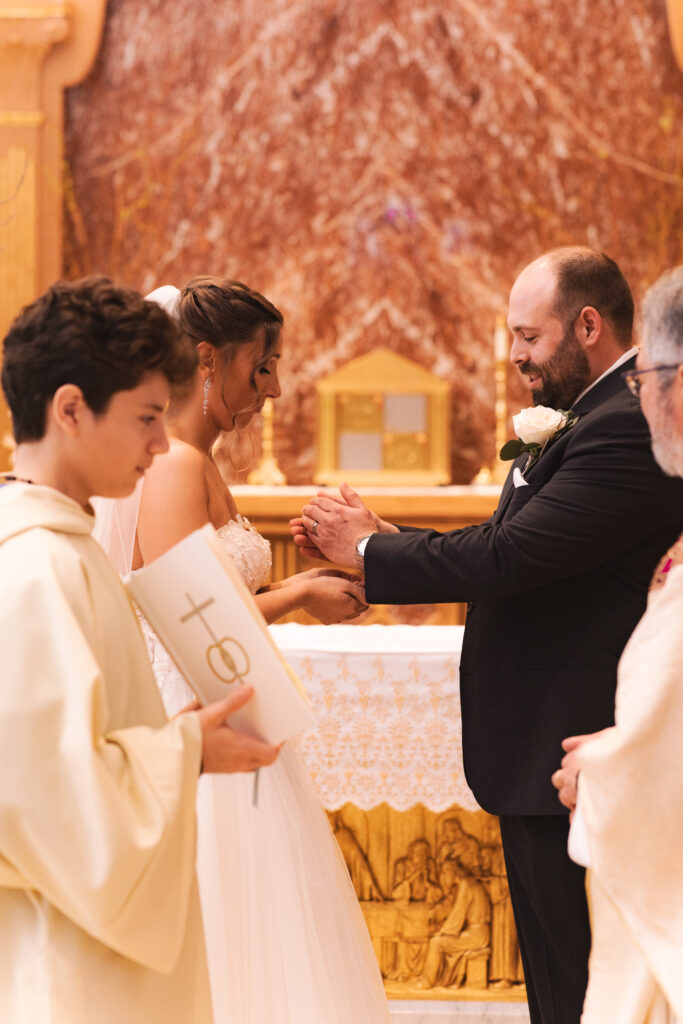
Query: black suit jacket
x: 556, y: 581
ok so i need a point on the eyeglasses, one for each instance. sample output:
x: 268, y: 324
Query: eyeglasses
x: 632, y: 377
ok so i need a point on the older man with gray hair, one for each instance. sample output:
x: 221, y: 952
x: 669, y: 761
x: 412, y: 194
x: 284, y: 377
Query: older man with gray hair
x: 628, y: 822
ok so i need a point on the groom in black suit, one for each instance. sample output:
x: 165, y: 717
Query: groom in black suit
x: 556, y: 581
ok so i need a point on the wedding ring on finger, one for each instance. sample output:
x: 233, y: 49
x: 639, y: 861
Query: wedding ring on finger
x: 314, y: 528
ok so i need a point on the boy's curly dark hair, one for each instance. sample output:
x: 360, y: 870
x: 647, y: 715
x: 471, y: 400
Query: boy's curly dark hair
x: 91, y: 333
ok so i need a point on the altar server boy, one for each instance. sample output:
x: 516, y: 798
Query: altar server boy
x: 99, y: 914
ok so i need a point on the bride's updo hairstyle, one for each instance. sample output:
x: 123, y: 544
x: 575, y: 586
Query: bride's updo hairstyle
x: 227, y: 314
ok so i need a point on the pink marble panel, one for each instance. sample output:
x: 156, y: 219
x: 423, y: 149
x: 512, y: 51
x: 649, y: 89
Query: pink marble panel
x: 380, y: 169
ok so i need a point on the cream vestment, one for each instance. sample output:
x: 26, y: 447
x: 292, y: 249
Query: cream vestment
x: 99, y: 911
x: 631, y: 798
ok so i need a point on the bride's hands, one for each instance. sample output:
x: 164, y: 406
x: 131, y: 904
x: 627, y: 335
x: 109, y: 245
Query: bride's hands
x: 329, y: 595
x: 330, y: 598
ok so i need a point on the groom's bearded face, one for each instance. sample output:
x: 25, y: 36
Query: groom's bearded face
x: 563, y: 375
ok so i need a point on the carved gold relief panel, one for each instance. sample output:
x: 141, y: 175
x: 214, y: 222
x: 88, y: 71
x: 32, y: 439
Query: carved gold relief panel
x: 434, y: 894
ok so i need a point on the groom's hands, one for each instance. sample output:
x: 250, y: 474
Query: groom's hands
x: 330, y: 526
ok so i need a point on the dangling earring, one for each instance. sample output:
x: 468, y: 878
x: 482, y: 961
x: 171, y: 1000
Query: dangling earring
x: 205, y: 403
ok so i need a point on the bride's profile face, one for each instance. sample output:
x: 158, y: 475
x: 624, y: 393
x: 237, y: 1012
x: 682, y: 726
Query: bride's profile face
x: 243, y: 383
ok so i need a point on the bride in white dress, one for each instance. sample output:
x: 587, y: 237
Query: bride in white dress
x: 286, y: 939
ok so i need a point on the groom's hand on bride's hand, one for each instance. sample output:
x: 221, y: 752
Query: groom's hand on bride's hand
x: 333, y: 524
x: 224, y: 749
x: 305, y: 543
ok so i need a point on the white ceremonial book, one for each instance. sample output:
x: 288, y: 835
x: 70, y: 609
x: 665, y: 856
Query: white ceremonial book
x: 197, y: 603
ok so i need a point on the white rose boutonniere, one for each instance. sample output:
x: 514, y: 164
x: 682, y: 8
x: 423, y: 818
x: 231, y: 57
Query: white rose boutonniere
x: 535, y: 427
x: 537, y: 424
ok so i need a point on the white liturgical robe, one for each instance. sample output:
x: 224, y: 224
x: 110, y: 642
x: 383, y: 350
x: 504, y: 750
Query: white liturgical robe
x: 99, y: 910
x: 631, y: 796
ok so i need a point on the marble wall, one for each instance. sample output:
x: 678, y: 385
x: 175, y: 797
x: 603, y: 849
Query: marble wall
x: 379, y: 168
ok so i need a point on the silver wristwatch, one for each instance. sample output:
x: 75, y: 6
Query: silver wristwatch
x: 361, y: 545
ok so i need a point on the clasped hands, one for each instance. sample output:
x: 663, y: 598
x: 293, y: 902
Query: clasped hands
x: 331, y: 524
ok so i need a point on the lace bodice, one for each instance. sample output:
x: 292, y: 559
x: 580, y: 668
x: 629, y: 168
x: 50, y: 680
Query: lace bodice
x: 249, y: 551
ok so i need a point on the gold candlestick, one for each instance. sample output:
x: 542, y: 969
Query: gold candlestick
x: 497, y: 472
x: 267, y: 473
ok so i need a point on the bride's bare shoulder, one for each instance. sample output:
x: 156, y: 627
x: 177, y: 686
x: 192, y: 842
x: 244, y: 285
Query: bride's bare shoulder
x: 174, y: 499
x: 181, y: 453
x: 181, y: 466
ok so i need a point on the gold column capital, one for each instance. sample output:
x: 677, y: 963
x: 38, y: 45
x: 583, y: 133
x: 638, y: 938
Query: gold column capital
x: 32, y: 28
x: 27, y: 33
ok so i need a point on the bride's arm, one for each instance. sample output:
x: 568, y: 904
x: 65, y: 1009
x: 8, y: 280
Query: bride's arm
x: 174, y: 501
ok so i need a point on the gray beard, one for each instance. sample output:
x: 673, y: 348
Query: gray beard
x: 667, y: 458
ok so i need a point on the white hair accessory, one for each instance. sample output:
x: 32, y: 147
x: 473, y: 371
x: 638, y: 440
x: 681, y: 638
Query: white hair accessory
x: 167, y: 297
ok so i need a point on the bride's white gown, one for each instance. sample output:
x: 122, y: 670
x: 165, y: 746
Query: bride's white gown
x: 286, y: 939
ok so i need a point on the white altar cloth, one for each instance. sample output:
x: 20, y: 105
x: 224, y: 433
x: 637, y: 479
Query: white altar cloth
x: 388, y: 713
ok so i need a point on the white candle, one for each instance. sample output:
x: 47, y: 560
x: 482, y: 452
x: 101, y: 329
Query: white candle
x: 501, y: 349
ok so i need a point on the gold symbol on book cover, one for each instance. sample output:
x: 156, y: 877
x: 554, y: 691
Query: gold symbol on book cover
x: 226, y: 657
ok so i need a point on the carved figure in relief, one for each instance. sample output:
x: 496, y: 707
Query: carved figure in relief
x: 459, y: 846
x: 362, y: 876
x: 448, y: 880
x: 505, y: 968
x: 416, y: 890
x: 464, y: 936
x: 415, y: 877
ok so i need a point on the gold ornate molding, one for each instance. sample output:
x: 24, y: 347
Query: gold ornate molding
x: 20, y: 12
x: 44, y: 47
x: 21, y: 118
